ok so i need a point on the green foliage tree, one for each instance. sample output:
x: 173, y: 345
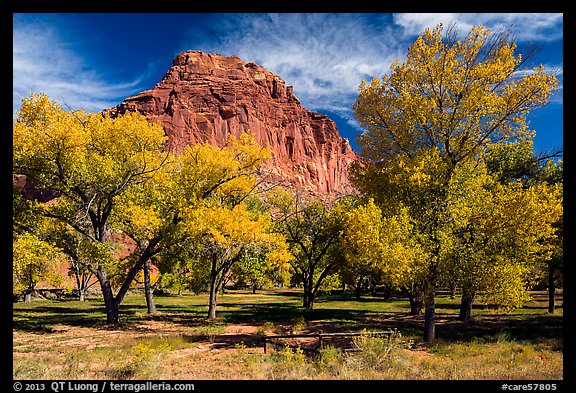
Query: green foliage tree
x: 254, y: 270
x: 447, y: 103
x: 516, y: 162
x: 312, y: 230
x: 501, y: 232
x: 34, y: 260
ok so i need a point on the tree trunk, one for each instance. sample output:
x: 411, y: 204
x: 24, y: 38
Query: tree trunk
x: 309, y: 294
x: 372, y: 286
x: 452, y: 290
x: 213, y: 299
x: 466, y: 307
x: 148, y: 289
x: 309, y: 301
x: 416, y: 304
x: 82, y: 280
x: 27, y: 296
x: 429, y: 317
x: 359, y: 287
x: 213, y: 294
x: 78, y: 283
x: 111, y: 304
x: 551, y: 289
x: 387, y: 292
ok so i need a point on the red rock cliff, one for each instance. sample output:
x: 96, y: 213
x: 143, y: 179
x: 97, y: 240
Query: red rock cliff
x: 203, y: 97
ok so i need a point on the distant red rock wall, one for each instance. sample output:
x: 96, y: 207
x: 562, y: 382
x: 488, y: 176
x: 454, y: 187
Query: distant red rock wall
x: 204, y: 97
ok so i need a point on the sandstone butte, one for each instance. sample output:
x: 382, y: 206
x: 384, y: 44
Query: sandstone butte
x: 206, y: 97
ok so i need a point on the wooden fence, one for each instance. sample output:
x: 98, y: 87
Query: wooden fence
x: 321, y: 336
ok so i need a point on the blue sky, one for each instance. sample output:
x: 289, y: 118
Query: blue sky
x: 94, y: 61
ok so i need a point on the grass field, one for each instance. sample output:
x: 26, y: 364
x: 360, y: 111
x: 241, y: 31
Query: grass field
x: 70, y: 340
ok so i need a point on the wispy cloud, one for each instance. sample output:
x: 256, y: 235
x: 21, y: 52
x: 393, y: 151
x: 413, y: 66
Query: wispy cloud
x: 526, y: 26
x: 324, y: 56
x: 45, y: 61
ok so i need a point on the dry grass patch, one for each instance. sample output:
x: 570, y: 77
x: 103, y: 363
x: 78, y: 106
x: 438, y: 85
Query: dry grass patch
x: 69, y: 340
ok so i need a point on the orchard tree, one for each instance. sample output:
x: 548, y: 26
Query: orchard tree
x: 448, y: 102
x: 312, y: 230
x: 226, y: 235
x: 179, y: 266
x: 254, y: 270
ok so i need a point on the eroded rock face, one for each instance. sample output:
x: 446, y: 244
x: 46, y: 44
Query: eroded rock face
x: 204, y: 97
x: 28, y: 188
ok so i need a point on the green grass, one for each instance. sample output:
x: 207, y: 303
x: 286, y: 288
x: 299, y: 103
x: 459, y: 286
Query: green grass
x: 70, y: 339
x: 284, y: 307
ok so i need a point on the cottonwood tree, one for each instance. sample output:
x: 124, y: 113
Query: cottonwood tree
x: 34, y: 260
x: 387, y: 246
x: 148, y: 215
x: 361, y: 242
x: 98, y: 165
x: 501, y: 234
x: 88, y: 160
x: 80, y: 253
x: 217, y: 182
x: 517, y: 162
x: 447, y: 102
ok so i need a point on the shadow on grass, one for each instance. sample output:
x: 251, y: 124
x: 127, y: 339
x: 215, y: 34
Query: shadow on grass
x: 521, y: 328
x: 285, y: 313
x: 43, y: 319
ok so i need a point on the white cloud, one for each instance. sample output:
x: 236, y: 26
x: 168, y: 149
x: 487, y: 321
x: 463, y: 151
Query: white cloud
x: 43, y: 61
x: 526, y: 26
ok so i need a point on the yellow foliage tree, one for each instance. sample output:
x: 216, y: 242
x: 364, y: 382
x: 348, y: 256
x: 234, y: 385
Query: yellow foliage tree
x: 34, y: 260
x: 89, y: 161
x: 113, y: 175
x: 225, y: 235
x: 447, y: 103
x: 501, y: 232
